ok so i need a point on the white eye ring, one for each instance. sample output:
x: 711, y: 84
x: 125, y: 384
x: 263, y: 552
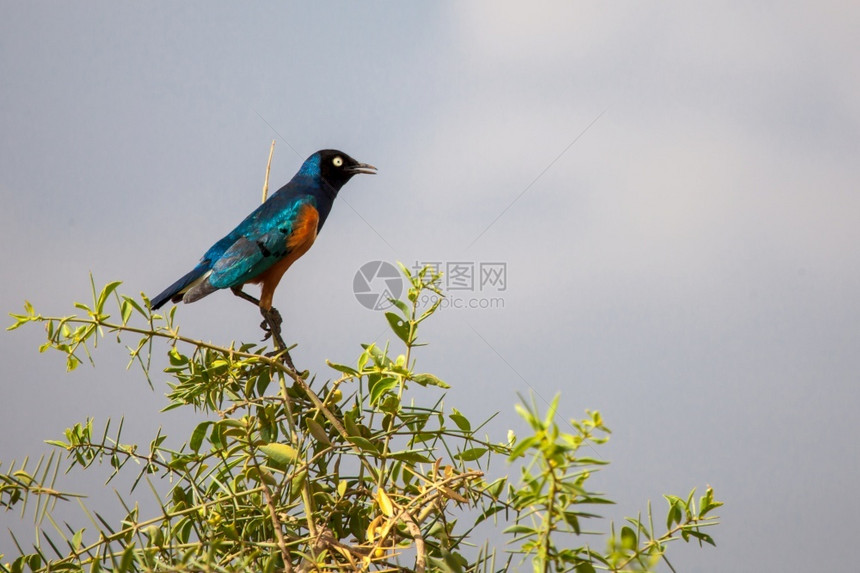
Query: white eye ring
x: 338, y: 161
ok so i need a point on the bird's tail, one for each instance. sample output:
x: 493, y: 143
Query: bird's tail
x: 175, y: 291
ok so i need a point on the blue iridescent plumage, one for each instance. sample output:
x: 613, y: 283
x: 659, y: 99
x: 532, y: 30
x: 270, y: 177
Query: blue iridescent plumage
x: 263, y: 246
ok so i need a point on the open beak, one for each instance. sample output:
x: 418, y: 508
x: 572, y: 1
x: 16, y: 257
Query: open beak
x: 362, y: 168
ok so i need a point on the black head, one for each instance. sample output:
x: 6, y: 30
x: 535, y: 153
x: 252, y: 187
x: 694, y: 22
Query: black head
x: 336, y: 167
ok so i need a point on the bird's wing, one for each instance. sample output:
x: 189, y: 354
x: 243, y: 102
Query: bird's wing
x: 261, y: 240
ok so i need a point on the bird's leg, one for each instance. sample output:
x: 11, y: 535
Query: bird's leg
x: 272, y: 325
x: 273, y: 318
x: 242, y: 294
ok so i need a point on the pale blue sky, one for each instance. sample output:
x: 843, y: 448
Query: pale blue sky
x: 689, y: 266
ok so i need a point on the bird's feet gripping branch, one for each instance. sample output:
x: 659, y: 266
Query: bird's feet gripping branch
x: 269, y: 240
x: 271, y: 325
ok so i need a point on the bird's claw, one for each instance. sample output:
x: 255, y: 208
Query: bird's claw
x: 272, y: 321
x: 266, y: 329
x: 275, y: 317
x: 271, y: 325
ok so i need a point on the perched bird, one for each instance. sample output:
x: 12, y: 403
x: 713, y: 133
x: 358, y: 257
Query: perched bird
x: 263, y: 246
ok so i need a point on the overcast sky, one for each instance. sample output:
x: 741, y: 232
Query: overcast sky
x: 671, y: 186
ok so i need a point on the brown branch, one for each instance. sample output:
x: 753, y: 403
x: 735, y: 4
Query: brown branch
x: 415, y: 531
x: 273, y: 515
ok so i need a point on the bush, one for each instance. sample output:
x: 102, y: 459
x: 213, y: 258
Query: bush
x: 289, y: 474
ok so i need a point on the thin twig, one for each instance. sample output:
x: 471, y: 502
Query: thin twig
x: 272, y: 316
x: 276, y: 524
x: 268, y: 168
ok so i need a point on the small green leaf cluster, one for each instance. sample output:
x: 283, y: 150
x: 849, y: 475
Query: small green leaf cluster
x: 552, y: 488
x: 639, y: 547
x: 552, y: 495
x: 287, y: 473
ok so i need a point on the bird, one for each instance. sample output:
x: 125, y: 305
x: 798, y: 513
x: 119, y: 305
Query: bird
x: 268, y: 241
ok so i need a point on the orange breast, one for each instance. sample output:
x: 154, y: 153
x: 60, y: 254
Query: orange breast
x: 298, y: 242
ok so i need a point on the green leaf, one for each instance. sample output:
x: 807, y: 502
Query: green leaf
x: 365, y: 445
x: 20, y: 321
x: 379, y: 389
x: 628, y: 538
x: 461, y: 421
x: 176, y: 358
x: 688, y: 507
x: 527, y: 415
x: 342, y: 368
x: 125, y: 311
x: 411, y: 457
x: 702, y: 536
x: 521, y: 447
x: 427, y: 313
x: 317, y: 431
x: 263, y: 381
x: 106, y: 292
x: 391, y: 404
x: 402, y: 306
x: 521, y: 529
x: 550, y: 413
x: 216, y: 436
x: 707, y: 502
x: 262, y: 474
x: 424, y: 437
x: 675, y: 513
x: 429, y: 380
x: 76, y: 539
x: 127, y: 558
x: 495, y: 489
x: 280, y: 453
x: 403, y: 269
x: 364, y: 358
x: 298, y: 481
x: 471, y: 454
x: 352, y: 427
x: 377, y: 354
x: 400, y: 326
x: 133, y: 303
x: 198, y: 435
x: 489, y: 512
